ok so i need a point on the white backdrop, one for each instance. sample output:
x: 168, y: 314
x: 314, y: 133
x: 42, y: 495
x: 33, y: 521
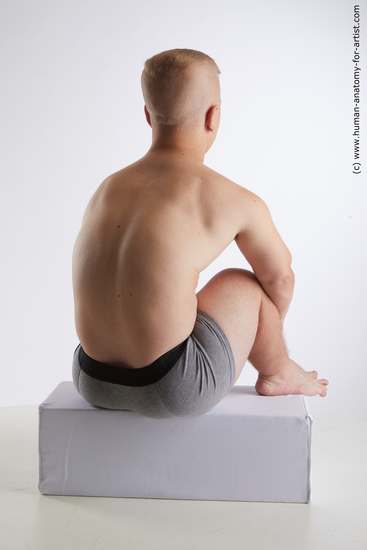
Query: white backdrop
x: 72, y: 113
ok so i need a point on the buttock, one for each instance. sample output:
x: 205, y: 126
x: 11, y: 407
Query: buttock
x: 190, y: 379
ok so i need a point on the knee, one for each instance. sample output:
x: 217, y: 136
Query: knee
x: 237, y: 275
x: 238, y: 280
x: 232, y: 291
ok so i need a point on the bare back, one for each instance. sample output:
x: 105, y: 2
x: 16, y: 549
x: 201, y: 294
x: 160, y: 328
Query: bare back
x: 147, y: 233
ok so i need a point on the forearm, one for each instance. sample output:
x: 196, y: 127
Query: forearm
x: 280, y: 291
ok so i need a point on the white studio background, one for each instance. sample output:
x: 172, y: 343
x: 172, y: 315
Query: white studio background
x: 72, y: 113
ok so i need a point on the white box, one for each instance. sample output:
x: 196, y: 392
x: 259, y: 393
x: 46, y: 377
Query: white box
x: 247, y: 448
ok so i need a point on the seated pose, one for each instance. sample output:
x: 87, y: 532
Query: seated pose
x: 148, y: 342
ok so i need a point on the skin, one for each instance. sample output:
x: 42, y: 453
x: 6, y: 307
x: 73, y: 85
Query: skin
x: 151, y: 228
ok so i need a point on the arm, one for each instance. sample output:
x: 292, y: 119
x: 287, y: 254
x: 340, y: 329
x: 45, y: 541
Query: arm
x: 263, y: 248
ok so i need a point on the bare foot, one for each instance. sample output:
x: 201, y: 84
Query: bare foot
x: 292, y: 380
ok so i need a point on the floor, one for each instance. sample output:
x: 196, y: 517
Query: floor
x: 335, y: 519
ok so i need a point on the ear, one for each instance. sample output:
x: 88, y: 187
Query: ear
x: 210, y: 116
x: 147, y: 116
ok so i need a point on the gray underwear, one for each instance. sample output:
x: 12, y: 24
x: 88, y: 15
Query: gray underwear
x: 202, y: 374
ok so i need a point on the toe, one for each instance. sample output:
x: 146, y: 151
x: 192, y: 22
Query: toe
x: 322, y: 390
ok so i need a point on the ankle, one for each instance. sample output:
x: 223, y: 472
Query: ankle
x: 276, y: 370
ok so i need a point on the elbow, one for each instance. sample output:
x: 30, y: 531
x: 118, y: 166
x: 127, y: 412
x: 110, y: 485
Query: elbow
x: 281, y: 278
x: 287, y: 282
x: 288, y: 277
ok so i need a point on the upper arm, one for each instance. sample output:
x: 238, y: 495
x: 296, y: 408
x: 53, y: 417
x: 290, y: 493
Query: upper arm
x: 260, y: 242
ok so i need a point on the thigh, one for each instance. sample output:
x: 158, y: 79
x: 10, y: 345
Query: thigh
x: 232, y: 298
x: 204, y: 373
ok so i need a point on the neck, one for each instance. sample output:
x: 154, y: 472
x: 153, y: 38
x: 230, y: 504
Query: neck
x: 188, y: 143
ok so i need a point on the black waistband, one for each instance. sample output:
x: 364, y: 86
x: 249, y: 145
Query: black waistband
x: 131, y: 377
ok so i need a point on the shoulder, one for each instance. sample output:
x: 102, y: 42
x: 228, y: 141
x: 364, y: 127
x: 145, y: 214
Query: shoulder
x: 95, y: 201
x: 244, y: 203
x: 238, y: 191
x: 107, y: 193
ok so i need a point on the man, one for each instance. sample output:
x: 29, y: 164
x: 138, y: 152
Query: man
x: 148, y: 342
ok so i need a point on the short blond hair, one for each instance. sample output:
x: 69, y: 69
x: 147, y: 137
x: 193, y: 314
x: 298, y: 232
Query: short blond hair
x: 178, y: 85
x: 171, y: 62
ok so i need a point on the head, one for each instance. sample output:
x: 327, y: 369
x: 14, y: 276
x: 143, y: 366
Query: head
x: 181, y: 91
